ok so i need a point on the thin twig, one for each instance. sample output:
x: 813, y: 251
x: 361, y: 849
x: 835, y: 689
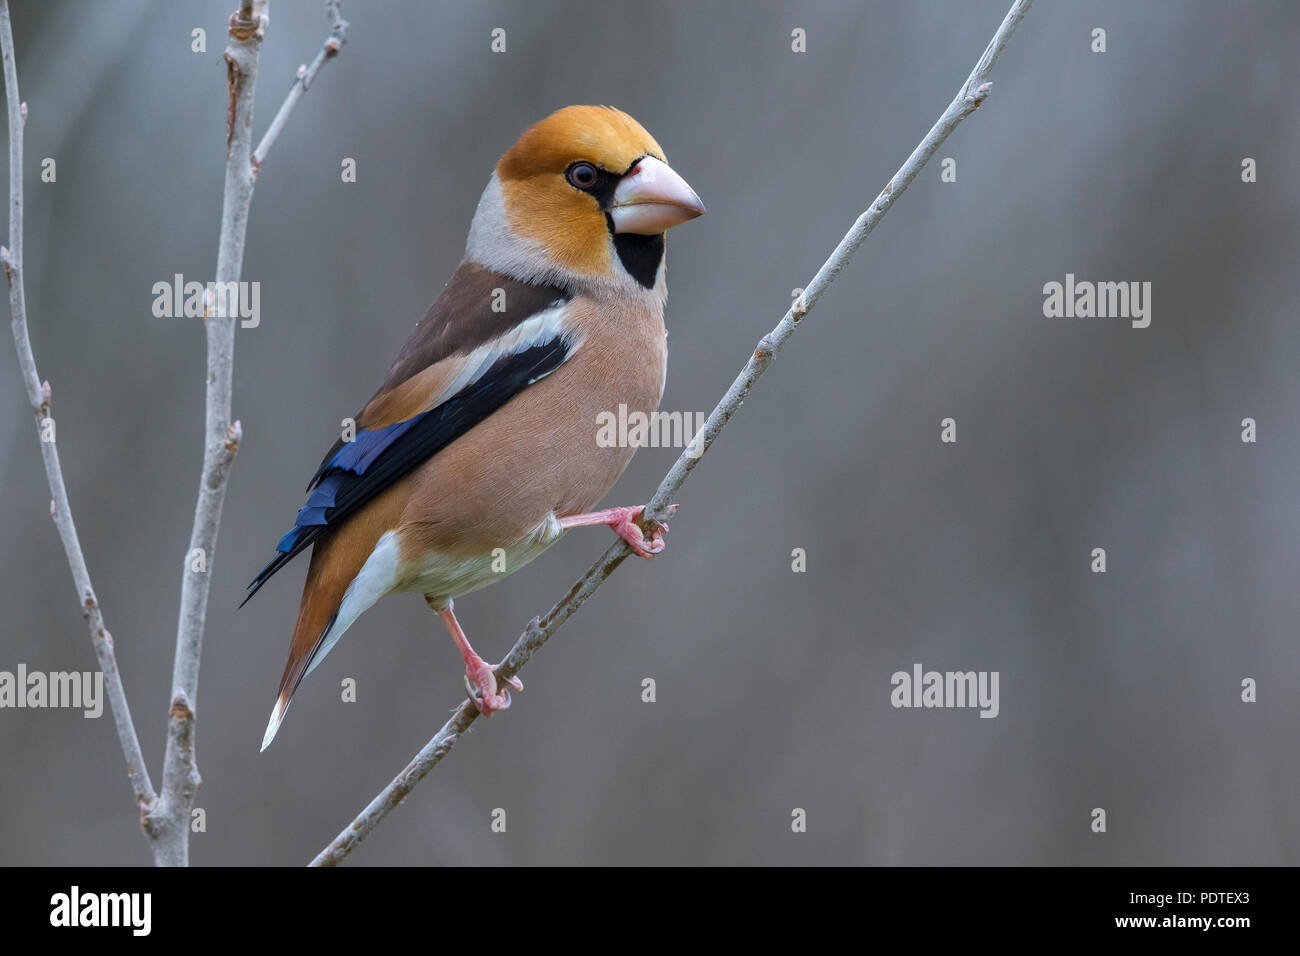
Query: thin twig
x: 306, y: 76
x: 164, y: 816
x: 972, y: 93
x: 39, y: 397
x: 168, y: 825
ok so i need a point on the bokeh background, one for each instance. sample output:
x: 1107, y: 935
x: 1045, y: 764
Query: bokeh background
x: 1119, y: 691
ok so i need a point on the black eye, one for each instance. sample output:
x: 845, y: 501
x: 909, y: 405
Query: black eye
x: 582, y: 175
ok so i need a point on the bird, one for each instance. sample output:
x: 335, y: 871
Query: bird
x: 479, y: 449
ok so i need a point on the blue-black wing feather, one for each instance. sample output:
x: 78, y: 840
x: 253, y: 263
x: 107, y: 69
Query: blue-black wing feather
x: 355, y: 472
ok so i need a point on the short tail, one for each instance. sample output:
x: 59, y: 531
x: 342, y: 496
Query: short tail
x: 335, y: 561
x: 294, y: 671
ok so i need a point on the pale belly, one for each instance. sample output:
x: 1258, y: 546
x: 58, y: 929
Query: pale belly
x: 441, y: 576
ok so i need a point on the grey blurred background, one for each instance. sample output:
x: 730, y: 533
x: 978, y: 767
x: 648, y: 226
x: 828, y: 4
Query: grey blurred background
x: 1119, y: 690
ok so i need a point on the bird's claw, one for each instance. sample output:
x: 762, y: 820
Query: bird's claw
x: 631, y: 529
x: 481, y: 683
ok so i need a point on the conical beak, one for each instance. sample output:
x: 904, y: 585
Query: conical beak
x: 651, y: 198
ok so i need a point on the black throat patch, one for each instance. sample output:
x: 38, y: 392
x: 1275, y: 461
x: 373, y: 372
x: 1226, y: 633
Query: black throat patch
x: 639, y: 254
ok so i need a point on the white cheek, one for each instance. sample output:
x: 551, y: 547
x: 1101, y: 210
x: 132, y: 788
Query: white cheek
x: 493, y: 244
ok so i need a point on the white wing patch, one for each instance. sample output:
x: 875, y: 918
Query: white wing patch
x: 551, y: 323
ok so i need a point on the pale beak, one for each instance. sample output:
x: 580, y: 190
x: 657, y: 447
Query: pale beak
x: 652, y: 198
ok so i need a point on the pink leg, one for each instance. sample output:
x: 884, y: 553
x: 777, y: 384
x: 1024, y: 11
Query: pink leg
x: 624, y: 521
x: 480, y: 681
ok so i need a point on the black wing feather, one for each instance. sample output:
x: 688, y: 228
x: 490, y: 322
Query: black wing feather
x: 355, y: 472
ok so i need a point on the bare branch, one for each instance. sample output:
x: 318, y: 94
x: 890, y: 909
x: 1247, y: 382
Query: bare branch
x: 968, y: 99
x: 164, y: 816
x: 168, y: 825
x: 39, y: 397
x: 306, y: 75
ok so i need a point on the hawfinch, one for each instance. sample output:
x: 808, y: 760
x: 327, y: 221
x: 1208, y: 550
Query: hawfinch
x: 479, y: 450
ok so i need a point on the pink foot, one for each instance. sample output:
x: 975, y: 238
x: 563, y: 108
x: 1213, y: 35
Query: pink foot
x: 482, y: 685
x: 626, y: 523
x: 480, y: 679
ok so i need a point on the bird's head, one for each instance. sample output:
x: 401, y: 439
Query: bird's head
x: 583, y: 198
